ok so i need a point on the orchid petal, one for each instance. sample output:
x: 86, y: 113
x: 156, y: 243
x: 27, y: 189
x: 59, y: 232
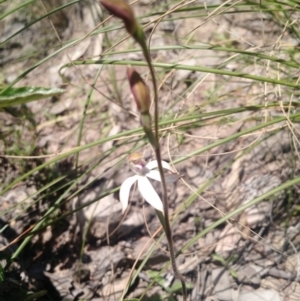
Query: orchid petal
x: 155, y: 175
x: 125, y: 191
x: 153, y: 164
x: 149, y: 193
x: 172, y: 178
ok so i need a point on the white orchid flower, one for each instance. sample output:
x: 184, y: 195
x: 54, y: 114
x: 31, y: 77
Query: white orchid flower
x: 144, y: 171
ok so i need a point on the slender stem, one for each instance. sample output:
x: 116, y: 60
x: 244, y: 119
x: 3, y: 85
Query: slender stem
x: 167, y: 226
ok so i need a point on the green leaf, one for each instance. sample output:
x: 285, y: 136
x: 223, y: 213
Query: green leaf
x: 218, y: 258
x: 154, y: 274
x: 177, y: 286
x: 234, y: 274
x: 17, y: 96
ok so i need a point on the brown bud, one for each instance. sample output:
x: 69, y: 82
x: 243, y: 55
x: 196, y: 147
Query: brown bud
x: 122, y: 10
x: 139, y: 90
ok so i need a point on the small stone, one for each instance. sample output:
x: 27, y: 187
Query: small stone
x: 61, y: 106
x: 292, y: 263
x: 168, y: 26
x: 116, y: 289
x: 260, y: 295
x: 228, y: 240
x: 193, y: 171
x: 249, y: 275
x: 181, y: 75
